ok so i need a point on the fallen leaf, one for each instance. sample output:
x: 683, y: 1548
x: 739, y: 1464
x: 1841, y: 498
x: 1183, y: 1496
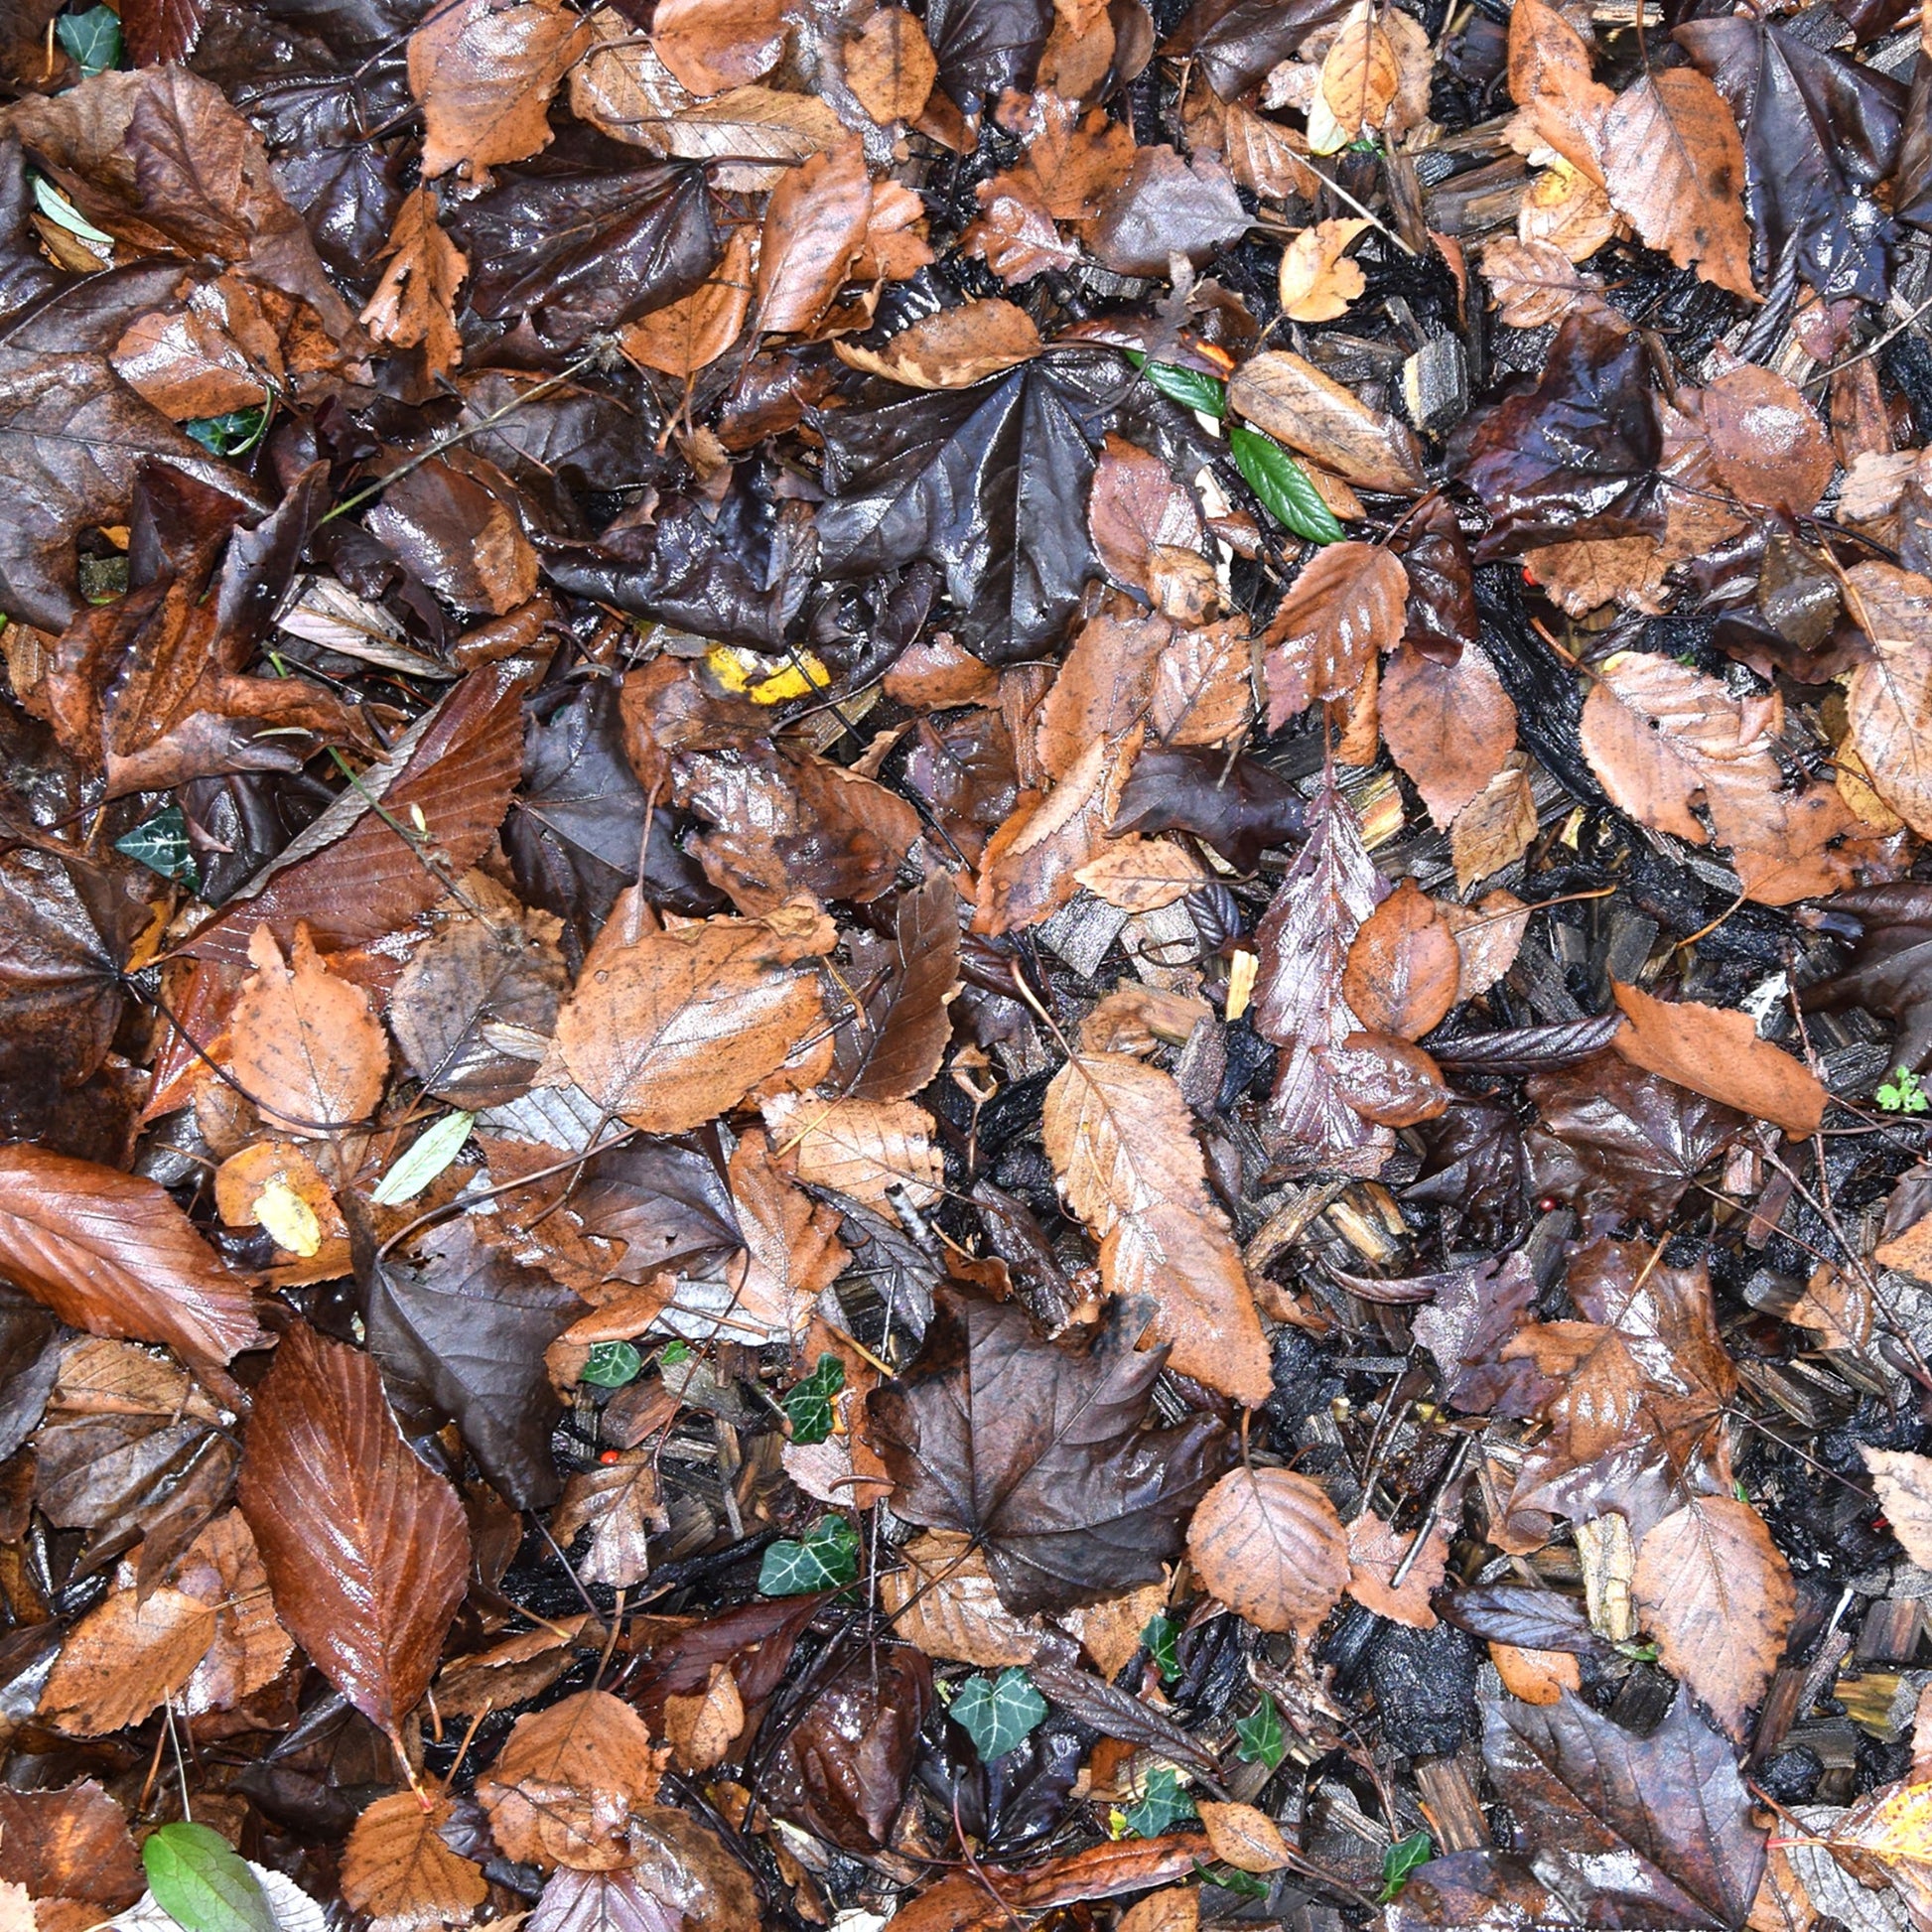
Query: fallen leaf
x: 814, y: 226
x: 308, y: 1050
x: 569, y: 1783
x: 1905, y: 1486
x: 712, y: 48
x: 1890, y: 693
x: 1278, y: 391
x: 1247, y: 1838
x: 397, y: 1867
x: 890, y: 67
x: 1404, y: 967
x: 1317, y: 281
x: 1345, y: 608
x: 1035, y: 1449
x: 1269, y: 1545
x: 483, y: 71
x: 415, y: 302
x: 366, y: 1551
x: 955, y: 347
x: 1376, y: 1551
x: 1717, y: 1053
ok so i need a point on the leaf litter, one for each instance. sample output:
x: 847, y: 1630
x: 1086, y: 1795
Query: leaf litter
x: 965, y: 965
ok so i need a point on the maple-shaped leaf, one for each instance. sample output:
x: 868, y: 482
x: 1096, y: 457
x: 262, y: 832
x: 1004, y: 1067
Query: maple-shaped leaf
x: 460, y: 1335
x: 1575, y: 456
x: 1639, y: 1831
x: 366, y: 1551
x: 1121, y: 1139
x: 989, y: 483
x: 112, y: 1254
x: 1819, y: 134
x: 1037, y: 1450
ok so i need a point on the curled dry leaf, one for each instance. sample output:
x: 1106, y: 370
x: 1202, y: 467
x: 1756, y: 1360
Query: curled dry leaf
x: 307, y: 1048
x: 1317, y: 281
x: 397, y: 1866
x: 414, y: 305
x: 1269, y: 1544
x: 1717, y: 1053
x: 366, y: 1551
x: 669, y: 1028
x: 1121, y: 1142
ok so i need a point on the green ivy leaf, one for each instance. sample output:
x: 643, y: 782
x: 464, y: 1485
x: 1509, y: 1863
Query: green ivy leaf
x: 1188, y: 387
x: 998, y: 1712
x: 826, y: 1556
x: 160, y: 842
x: 231, y: 434
x: 1401, y: 1859
x: 809, y: 1406
x: 1261, y: 1739
x: 92, y: 39
x: 612, y: 1365
x: 1282, y: 484
x: 202, y: 1884
x: 674, y: 1353
x: 1243, y: 1885
x: 1159, y: 1637
x: 1163, y: 1804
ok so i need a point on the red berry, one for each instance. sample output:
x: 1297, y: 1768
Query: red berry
x: 607, y: 1457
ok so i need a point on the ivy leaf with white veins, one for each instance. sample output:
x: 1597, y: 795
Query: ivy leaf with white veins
x: 999, y: 1712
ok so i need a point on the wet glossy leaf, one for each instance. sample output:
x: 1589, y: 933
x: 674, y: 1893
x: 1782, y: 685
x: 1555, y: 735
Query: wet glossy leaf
x: 1282, y: 484
x: 825, y: 1558
x: 808, y: 1402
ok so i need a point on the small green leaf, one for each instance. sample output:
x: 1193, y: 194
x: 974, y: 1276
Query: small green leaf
x: 1163, y: 1804
x: 1902, y: 1093
x: 1159, y: 1637
x: 202, y: 1884
x: 808, y: 1405
x: 1282, y: 484
x: 1243, y: 1885
x: 612, y: 1365
x: 92, y: 39
x: 429, y: 1153
x: 1398, y: 1860
x: 231, y: 434
x: 999, y: 1712
x: 160, y: 842
x: 1188, y: 387
x: 1261, y: 1739
x: 826, y: 1556
x: 64, y: 214
x: 674, y: 1353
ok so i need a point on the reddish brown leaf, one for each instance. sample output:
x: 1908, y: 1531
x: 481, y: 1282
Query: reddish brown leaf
x: 1345, y: 608
x: 366, y: 1551
x: 1718, y: 1054
x: 1269, y: 1544
x: 1404, y: 967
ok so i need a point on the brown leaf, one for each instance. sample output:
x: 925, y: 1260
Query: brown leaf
x: 1358, y: 81
x: 1121, y: 1142
x: 366, y: 1551
x: 1904, y: 1482
x: 1345, y: 608
x: 1101, y: 691
x: 618, y: 1502
x: 879, y: 1151
x: 307, y: 1048
x: 415, y: 302
x: 397, y: 1867
x: 1713, y: 1590
x: 1030, y: 864
x: 1449, y: 726
x: 1142, y: 875
x: 483, y: 71
x: 1717, y: 1053
x: 901, y: 1033
x: 1534, y: 283
x: 112, y: 1254
x: 1386, y: 1080
x: 792, y: 1249
x: 1247, y: 1838
x: 123, y: 1657
x: 1765, y: 438
x: 1269, y: 1545
x: 568, y: 1783
x: 1496, y: 827
x: 1203, y: 685
x: 1404, y: 967
x: 71, y: 1843
x: 1317, y: 281
x: 1376, y: 1551
x: 715, y: 45
x: 1674, y: 162
x: 943, y: 1599
x: 1550, y: 80
x: 814, y: 228
x: 692, y: 333
x: 1890, y: 697
x: 672, y: 1028
x: 890, y: 67
x: 1278, y: 391
x: 1148, y: 531
x: 954, y: 347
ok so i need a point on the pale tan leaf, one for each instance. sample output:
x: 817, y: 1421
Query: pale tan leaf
x: 1359, y: 80
x: 1278, y: 391
x: 943, y: 1600
x: 1496, y: 827
x: 397, y: 1867
x: 1534, y: 283
x: 1141, y: 874
x: 1269, y: 1545
x: 307, y: 1048
x: 1121, y: 1142
x: 890, y: 68
x: 876, y: 1151
x: 1713, y: 1590
x: 1317, y: 281
x: 1889, y: 701
x: 1905, y: 1486
x: 952, y: 348
x: 1488, y: 936
x: 1203, y: 684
